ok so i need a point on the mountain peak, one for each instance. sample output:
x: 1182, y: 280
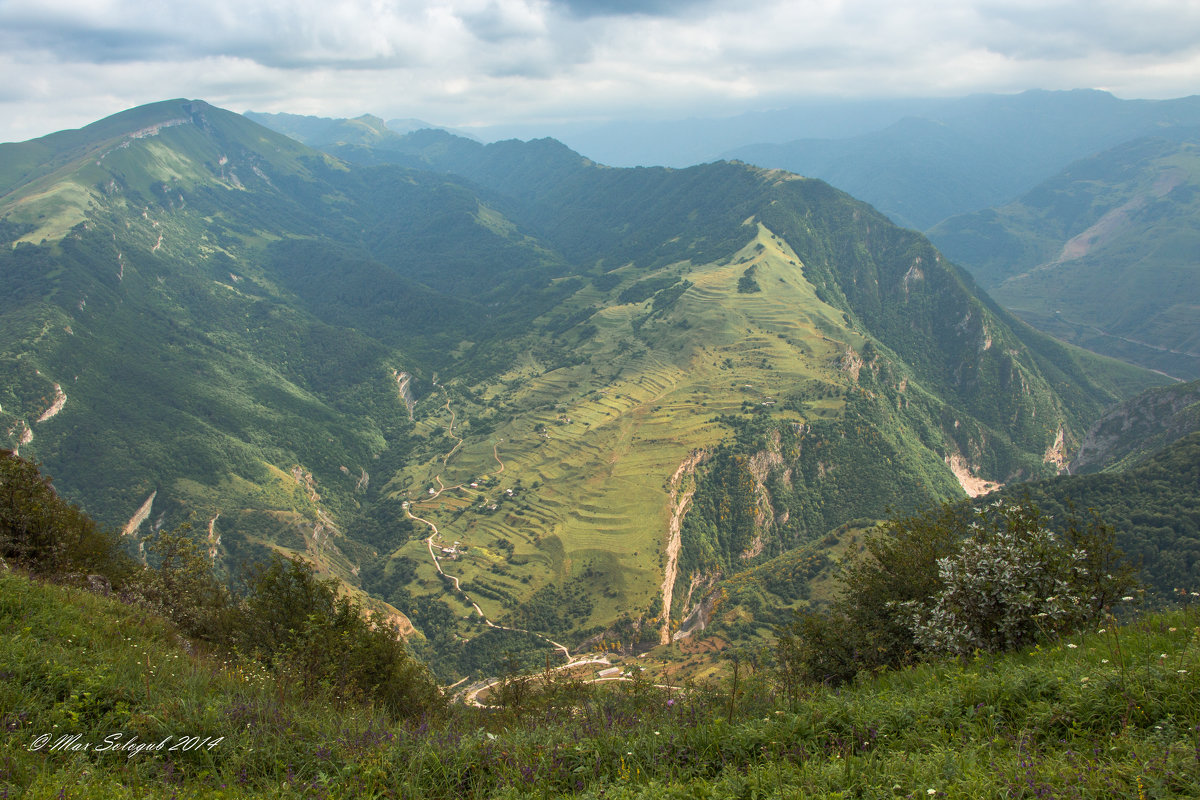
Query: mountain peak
x: 49, y: 183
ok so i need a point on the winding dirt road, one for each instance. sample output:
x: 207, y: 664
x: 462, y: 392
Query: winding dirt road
x: 434, y: 533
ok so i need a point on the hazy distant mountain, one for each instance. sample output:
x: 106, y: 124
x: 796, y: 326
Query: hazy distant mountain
x: 208, y: 320
x: 409, y: 125
x: 324, y: 133
x: 1103, y: 254
x: 321, y: 132
x: 685, y: 142
x: 974, y: 152
x: 917, y: 160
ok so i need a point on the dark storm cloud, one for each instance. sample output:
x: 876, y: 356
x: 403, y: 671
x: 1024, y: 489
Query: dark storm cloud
x: 86, y: 43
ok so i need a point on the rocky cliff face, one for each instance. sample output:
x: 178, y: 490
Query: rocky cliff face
x: 1139, y: 426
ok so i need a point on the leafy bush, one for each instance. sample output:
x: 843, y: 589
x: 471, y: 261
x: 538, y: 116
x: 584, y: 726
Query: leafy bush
x: 296, y: 624
x: 45, y: 534
x: 953, y: 580
x: 1012, y: 579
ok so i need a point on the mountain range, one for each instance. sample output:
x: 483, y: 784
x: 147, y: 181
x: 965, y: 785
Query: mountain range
x: 968, y: 154
x: 1103, y: 254
x: 498, y: 388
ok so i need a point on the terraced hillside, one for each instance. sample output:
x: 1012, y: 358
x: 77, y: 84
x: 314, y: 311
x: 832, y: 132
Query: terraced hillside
x: 587, y: 450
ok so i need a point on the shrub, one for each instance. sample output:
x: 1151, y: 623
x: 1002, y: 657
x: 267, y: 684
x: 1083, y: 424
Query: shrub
x: 290, y: 620
x: 296, y: 624
x: 953, y: 580
x: 1012, y: 579
x: 181, y: 587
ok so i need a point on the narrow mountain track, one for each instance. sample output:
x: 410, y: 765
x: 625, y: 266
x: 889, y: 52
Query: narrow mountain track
x: 450, y: 430
x: 434, y: 533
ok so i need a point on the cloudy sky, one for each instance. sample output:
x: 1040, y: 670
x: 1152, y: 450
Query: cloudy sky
x: 470, y: 62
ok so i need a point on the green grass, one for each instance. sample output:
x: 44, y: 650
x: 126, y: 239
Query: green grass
x: 1113, y: 712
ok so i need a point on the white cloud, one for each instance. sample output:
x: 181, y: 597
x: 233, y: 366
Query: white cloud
x: 68, y: 62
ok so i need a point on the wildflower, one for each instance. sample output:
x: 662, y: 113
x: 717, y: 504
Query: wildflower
x: 1172, y: 630
x: 1182, y: 671
x: 1101, y: 630
x: 931, y: 792
x: 1127, y: 599
x: 1072, y: 645
x: 1104, y: 661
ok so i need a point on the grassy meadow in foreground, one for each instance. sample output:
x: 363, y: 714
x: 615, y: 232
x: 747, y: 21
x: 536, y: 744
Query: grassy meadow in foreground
x: 1114, y: 712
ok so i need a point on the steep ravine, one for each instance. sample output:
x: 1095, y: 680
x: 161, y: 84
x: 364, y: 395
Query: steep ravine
x: 679, y: 500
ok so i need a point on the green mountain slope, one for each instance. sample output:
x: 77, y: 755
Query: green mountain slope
x: 1139, y: 427
x: 1151, y: 502
x: 183, y: 377
x: 520, y: 355
x: 1102, y: 255
x: 1153, y: 505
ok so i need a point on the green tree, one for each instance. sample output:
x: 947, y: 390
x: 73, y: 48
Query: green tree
x: 1013, y: 579
x: 45, y: 534
x: 296, y: 624
x: 180, y: 585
